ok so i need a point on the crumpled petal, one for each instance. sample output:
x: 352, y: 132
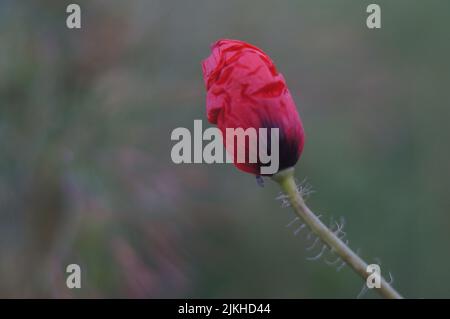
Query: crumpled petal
x: 244, y: 89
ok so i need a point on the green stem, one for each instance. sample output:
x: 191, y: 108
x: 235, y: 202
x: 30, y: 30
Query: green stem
x: 286, y: 180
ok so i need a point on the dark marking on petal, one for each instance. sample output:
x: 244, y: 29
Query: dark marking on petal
x: 288, y: 146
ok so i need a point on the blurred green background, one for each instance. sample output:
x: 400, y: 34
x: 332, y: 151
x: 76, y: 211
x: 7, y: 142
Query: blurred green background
x: 86, y: 175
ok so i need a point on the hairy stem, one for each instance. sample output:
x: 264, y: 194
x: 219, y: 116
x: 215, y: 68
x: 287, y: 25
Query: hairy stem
x: 286, y: 180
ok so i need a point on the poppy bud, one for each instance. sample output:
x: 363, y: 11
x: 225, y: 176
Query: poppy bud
x: 245, y: 90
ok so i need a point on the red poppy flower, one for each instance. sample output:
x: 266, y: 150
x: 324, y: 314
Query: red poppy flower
x: 245, y: 90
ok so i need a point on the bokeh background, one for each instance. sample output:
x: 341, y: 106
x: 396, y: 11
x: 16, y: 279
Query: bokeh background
x: 86, y: 175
